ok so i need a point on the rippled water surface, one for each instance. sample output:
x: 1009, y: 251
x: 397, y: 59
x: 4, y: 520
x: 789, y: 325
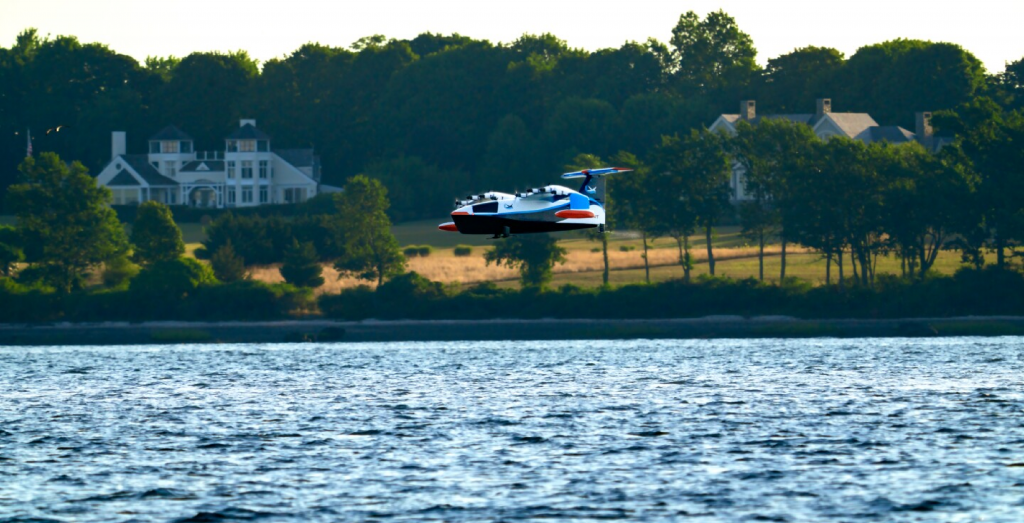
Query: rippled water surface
x: 725, y: 430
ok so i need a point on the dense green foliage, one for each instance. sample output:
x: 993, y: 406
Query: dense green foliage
x: 263, y: 240
x: 227, y: 265
x: 301, y: 265
x: 970, y: 292
x: 155, y: 235
x: 371, y: 251
x: 62, y: 210
x: 438, y: 113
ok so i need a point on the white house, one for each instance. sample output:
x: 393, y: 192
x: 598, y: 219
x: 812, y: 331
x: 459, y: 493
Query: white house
x: 245, y: 174
x: 826, y: 124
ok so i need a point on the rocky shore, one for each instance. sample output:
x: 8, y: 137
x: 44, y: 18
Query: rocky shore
x: 149, y: 333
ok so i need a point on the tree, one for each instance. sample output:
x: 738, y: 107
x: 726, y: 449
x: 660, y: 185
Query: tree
x: 712, y: 56
x: 371, y: 250
x: 302, y: 266
x: 768, y: 153
x: 534, y: 255
x: 590, y: 161
x: 792, y: 80
x: 155, y: 235
x: 988, y: 146
x: 699, y: 169
x: 63, y: 208
x: 227, y: 265
x: 10, y: 251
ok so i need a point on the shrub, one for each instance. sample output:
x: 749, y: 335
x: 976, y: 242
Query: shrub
x: 595, y: 249
x: 424, y: 250
x: 463, y: 250
x: 227, y: 265
x: 627, y: 248
x: 301, y: 267
x: 411, y: 251
x: 118, y: 271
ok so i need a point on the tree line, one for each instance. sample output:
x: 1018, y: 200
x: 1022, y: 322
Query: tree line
x: 437, y: 112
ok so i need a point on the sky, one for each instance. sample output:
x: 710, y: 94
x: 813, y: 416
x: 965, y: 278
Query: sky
x: 273, y: 29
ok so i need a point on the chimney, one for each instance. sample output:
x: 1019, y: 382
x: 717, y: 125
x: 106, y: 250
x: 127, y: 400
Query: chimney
x: 748, y: 110
x: 247, y: 121
x: 824, y: 106
x: 923, y: 125
x: 117, y: 144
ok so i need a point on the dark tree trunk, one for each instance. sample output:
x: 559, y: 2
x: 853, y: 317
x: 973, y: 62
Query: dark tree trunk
x: 686, y: 265
x: 828, y: 268
x: 782, y: 271
x: 1000, y: 247
x: 647, y: 265
x: 760, y: 256
x: 839, y: 262
x: 604, y: 250
x: 711, y: 253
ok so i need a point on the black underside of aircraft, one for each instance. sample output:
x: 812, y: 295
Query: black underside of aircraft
x: 482, y: 224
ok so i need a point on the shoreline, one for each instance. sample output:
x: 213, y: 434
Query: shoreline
x: 709, y: 327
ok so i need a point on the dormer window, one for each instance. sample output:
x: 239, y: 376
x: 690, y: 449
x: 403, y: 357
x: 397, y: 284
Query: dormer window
x: 246, y: 146
x: 168, y: 147
x: 232, y: 146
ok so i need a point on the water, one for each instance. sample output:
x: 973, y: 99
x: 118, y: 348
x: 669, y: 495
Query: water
x: 725, y: 430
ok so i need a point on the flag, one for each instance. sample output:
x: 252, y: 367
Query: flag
x: 28, y: 148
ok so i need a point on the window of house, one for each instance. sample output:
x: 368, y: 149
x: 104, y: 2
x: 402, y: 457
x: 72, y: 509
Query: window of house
x: 262, y: 146
x: 172, y: 197
x: 247, y: 169
x: 168, y: 147
x: 231, y: 196
x: 186, y: 147
x: 263, y: 169
x: 154, y: 147
x: 171, y: 170
x: 232, y: 146
x: 264, y: 194
x: 246, y: 194
x: 231, y: 169
x: 246, y: 146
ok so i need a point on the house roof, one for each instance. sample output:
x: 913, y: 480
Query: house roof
x: 297, y: 157
x: 248, y: 132
x: 170, y: 133
x: 203, y: 166
x: 853, y: 124
x: 124, y: 178
x: 891, y: 133
x: 140, y: 164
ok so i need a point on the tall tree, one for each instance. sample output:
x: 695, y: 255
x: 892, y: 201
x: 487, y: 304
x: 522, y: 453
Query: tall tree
x: 155, y: 235
x: 699, y: 163
x: 713, y: 57
x: 371, y: 250
x: 795, y: 79
x: 62, y: 207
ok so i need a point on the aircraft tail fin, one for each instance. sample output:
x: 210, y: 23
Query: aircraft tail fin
x: 593, y: 180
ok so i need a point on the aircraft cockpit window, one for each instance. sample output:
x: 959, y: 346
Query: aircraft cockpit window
x: 485, y: 207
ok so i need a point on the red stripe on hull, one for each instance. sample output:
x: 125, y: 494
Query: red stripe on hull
x: 569, y: 213
x: 450, y: 227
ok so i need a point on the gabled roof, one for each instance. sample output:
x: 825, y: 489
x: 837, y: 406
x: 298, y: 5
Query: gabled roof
x: 853, y: 124
x: 297, y: 157
x: 170, y: 133
x: 203, y: 166
x: 123, y: 179
x: 140, y: 164
x: 891, y: 133
x: 248, y: 132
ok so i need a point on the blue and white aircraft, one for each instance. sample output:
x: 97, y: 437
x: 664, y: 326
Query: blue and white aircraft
x: 551, y: 208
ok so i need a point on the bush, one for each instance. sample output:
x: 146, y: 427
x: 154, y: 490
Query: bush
x: 463, y: 250
x: 424, y: 250
x: 627, y: 248
x: 301, y: 267
x: 227, y: 265
x: 595, y: 249
x: 411, y: 251
x: 119, y: 271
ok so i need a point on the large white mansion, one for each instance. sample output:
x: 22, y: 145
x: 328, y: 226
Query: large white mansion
x: 826, y: 124
x: 245, y: 174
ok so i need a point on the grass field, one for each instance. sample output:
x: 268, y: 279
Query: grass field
x: 584, y: 267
